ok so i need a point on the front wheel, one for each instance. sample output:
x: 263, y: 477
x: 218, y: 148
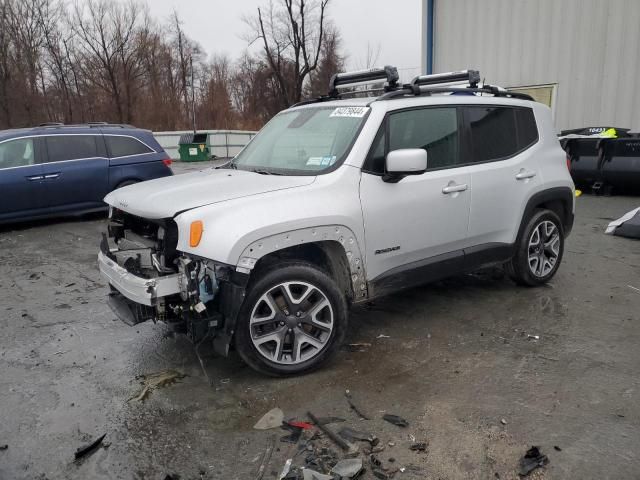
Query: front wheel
x: 539, y: 250
x: 292, y: 320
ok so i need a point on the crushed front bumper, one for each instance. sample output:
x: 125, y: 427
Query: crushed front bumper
x: 140, y: 290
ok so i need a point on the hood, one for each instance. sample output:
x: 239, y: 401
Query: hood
x: 165, y: 197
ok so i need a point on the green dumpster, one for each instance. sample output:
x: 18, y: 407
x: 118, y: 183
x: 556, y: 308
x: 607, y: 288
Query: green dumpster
x: 193, y: 147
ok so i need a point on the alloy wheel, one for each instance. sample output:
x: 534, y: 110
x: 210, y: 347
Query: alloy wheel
x: 544, y: 248
x: 291, y: 322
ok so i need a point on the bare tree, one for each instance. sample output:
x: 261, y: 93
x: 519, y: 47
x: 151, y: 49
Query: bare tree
x: 292, y: 34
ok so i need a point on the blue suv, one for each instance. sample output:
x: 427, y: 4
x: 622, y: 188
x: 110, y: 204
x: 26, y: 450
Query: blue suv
x: 57, y: 169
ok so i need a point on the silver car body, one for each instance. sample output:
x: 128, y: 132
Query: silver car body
x: 247, y: 215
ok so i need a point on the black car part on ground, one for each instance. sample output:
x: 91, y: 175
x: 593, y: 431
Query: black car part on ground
x: 604, y: 165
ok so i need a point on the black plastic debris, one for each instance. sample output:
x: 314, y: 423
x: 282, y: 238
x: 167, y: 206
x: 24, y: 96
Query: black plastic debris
x: 295, y: 434
x: 395, y: 419
x: 343, y: 444
x: 4, y: 447
x: 419, y: 447
x: 533, y: 459
x: 557, y: 448
x: 354, y: 407
x: 172, y: 476
x: 89, y: 448
x: 353, y: 435
x: 626, y: 226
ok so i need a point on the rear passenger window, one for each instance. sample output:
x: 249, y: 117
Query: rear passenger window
x: 500, y: 132
x: 493, y: 132
x: 527, y: 128
x: 433, y: 129
x: 125, y: 146
x: 71, y: 147
x: 17, y: 153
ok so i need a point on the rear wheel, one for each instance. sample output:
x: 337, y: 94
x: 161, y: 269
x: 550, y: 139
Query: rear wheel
x: 292, y: 320
x: 539, y: 250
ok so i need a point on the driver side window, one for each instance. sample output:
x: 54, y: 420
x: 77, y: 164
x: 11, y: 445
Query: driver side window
x: 432, y: 129
x: 17, y: 153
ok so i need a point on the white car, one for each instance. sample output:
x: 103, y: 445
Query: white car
x: 337, y: 201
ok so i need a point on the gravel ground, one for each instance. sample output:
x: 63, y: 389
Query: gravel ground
x: 453, y: 358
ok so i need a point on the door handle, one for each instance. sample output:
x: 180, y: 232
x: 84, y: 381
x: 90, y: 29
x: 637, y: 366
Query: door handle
x: 35, y: 177
x: 454, y: 187
x: 524, y: 174
x: 51, y: 175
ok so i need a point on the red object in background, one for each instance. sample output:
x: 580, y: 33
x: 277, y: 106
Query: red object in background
x: 303, y: 425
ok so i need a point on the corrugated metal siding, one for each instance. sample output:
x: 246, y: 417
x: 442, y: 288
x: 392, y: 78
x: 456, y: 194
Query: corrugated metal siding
x: 590, y: 48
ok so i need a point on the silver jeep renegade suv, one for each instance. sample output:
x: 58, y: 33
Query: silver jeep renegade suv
x: 337, y: 201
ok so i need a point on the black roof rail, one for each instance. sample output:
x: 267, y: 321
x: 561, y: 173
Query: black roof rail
x: 387, y: 73
x: 470, y: 76
x: 420, y: 85
x: 51, y: 124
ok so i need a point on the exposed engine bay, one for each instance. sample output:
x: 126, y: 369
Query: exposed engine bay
x: 182, y: 291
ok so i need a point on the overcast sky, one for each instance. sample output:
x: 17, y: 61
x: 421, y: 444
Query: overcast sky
x: 393, y: 26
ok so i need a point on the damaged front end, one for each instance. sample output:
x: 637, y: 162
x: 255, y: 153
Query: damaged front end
x: 151, y: 280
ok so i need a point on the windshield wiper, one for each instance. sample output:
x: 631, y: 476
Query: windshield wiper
x: 264, y: 172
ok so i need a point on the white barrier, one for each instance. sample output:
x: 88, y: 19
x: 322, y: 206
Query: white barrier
x: 222, y: 143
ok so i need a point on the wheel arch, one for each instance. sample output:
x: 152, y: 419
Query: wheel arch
x: 558, y: 199
x: 332, y: 248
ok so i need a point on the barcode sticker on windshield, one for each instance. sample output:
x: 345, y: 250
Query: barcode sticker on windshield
x: 353, y: 112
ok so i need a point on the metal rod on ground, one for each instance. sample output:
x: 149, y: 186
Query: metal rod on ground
x: 346, y: 446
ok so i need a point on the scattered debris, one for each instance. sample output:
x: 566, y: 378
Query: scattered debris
x: 266, y: 458
x: 395, y: 419
x: 634, y: 288
x: 348, y: 468
x: 359, y: 344
x: 343, y: 444
x: 303, y: 425
x: 353, y: 406
x: 4, y: 447
x: 383, y: 336
x: 557, y: 448
x: 295, y: 434
x: 285, y: 469
x: 89, y: 448
x: 308, y: 474
x: 419, y: 447
x: 503, y: 421
x: 533, y: 337
x: 172, y: 476
x: 392, y: 444
x: 532, y: 460
x: 272, y: 419
x: 157, y: 380
x: 353, y: 435
x: 329, y: 420
x: 69, y: 284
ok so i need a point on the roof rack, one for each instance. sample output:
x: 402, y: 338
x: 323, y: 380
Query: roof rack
x: 359, y: 77
x: 420, y: 85
x: 50, y: 124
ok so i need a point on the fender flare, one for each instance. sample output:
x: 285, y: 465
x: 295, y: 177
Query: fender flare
x: 562, y: 194
x: 337, y: 233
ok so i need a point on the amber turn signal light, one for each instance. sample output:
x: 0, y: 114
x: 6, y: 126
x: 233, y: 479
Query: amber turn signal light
x: 195, y: 233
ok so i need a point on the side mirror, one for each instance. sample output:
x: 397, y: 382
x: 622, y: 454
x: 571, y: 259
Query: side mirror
x: 403, y: 162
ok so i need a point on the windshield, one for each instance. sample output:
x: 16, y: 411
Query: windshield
x: 302, y: 141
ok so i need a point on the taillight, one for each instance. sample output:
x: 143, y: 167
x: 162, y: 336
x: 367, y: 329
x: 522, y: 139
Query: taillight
x: 568, y: 162
x: 167, y: 161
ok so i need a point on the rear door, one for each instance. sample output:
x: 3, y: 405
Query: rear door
x: 21, y: 179
x: 504, y: 174
x: 75, y: 171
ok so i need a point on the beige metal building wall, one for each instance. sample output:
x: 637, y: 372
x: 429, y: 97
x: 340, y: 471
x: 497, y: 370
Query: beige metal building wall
x: 589, y: 49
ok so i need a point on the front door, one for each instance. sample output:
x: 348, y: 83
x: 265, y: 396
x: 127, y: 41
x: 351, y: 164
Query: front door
x: 416, y: 229
x: 21, y: 188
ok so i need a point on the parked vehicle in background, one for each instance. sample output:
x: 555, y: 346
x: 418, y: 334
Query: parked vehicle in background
x: 57, y: 169
x: 338, y: 201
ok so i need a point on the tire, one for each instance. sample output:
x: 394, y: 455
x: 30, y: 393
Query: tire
x: 535, y: 263
x: 279, y: 337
